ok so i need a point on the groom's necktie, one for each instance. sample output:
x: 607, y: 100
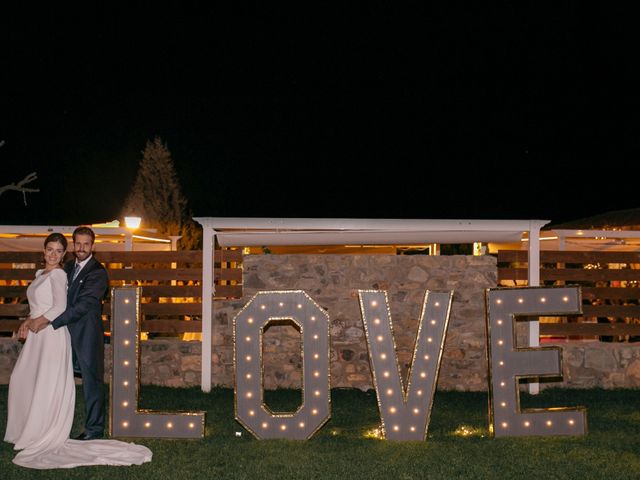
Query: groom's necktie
x: 76, y: 271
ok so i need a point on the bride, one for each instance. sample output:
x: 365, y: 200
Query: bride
x: 42, y: 390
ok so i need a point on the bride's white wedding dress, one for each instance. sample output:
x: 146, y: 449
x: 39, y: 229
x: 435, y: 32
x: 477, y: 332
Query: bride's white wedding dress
x: 42, y: 394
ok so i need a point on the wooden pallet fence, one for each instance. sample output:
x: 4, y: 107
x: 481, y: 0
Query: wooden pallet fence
x: 171, y: 282
x: 610, y: 284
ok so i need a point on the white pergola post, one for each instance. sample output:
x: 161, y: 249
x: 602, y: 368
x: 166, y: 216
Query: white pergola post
x: 208, y: 239
x: 534, y: 281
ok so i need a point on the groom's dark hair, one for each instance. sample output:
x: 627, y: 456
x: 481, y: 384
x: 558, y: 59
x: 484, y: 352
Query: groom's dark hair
x: 84, y: 231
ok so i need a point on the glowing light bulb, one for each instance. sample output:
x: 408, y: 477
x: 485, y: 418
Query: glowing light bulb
x: 416, y: 411
x: 521, y: 300
x: 389, y: 391
x: 392, y: 409
x: 499, y: 322
x: 502, y: 384
x: 315, y: 337
x: 426, y: 357
x: 248, y: 358
x: 437, y: 304
x: 379, y: 338
x: 299, y: 305
x: 413, y: 429
x: 376, y: 321
x: 317, y: 393
x: 125, y: 424
x: 126, y: 342
x: 265, y: 425
x: 419, y: 393
x: 125, y: 404
x: 263, y: 307
x: 504, y: 424
x: 126, y: 300
x: 542, y: 299
x: 125, y: 383
x: 316, y: 356
x: 386, y: 374
x: 383, y: 356
x: 248, y: 339
x: 191, y: 425
x: 501, y: 363
x: 316, y: 374
x: 281, y: 304
x: 429, y: 339
x: 503, y: 404
x: 527, y: 424
x: 396, y: 428
x: 127, y: 322
x: 147, y: 424
x: 248, y: 376
x: 549, y: 423
x: 500, y: 342
x: 314, y: 412
x: 252, y: 413
x: 433, y: 322
x: 249, y: 394
x: 565, y: 299
x: 283, y: 427
x: 249, y: 320
x: 313, y: 319
x: 301, y: 424
x: 499, y: 301
x: 125, y: 363
x: 374, y: 303
x: 423, y: 374
x: 571, y: 422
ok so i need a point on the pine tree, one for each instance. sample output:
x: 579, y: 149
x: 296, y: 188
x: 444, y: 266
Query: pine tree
x: 157, y: 197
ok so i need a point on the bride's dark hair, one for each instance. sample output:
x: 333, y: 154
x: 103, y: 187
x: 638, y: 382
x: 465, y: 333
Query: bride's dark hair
x: 56, y: 237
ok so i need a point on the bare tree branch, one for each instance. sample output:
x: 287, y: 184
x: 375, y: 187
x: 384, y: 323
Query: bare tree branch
x: 20, y: 186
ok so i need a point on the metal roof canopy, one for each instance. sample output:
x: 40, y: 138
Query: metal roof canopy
x: 248, y: 232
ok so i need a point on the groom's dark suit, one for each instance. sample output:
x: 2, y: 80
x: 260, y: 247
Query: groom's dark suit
x: 83, y: 318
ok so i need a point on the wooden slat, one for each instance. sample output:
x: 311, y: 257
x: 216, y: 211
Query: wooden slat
x: 14, y: 310
x: 21, y: 257
x: 621, y: 311
x: 611, y: 293
x: 130, y: 274
x: 184, y: 256
x: 17, y: 273
x: 171, y: 326
x: 13, y: 291
x: 571, y: 274
x: 588, y: 275
x: 591, y: 329
x: 549, y: 256
x: 9, y: 325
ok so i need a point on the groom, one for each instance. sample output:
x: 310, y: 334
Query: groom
x: 88, y: 284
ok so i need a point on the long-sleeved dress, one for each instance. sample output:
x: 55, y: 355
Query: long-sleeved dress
x: 42, y: 394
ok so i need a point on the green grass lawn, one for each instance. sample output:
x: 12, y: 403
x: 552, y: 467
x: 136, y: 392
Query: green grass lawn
x: 611, y: 450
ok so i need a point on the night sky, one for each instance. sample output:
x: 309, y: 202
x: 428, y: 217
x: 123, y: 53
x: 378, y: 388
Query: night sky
x: 372, y: 110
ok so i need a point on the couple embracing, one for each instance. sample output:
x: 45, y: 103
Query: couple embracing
x: 64, y: 333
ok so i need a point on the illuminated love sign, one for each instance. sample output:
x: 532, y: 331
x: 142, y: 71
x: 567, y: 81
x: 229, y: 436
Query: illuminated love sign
x: 405, y: 412
x: 507, y: 363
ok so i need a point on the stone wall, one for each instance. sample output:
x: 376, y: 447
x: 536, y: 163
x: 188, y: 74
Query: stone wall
x: 332, y: 281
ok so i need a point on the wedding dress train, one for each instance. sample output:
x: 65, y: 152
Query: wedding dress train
x: 42, y: 394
